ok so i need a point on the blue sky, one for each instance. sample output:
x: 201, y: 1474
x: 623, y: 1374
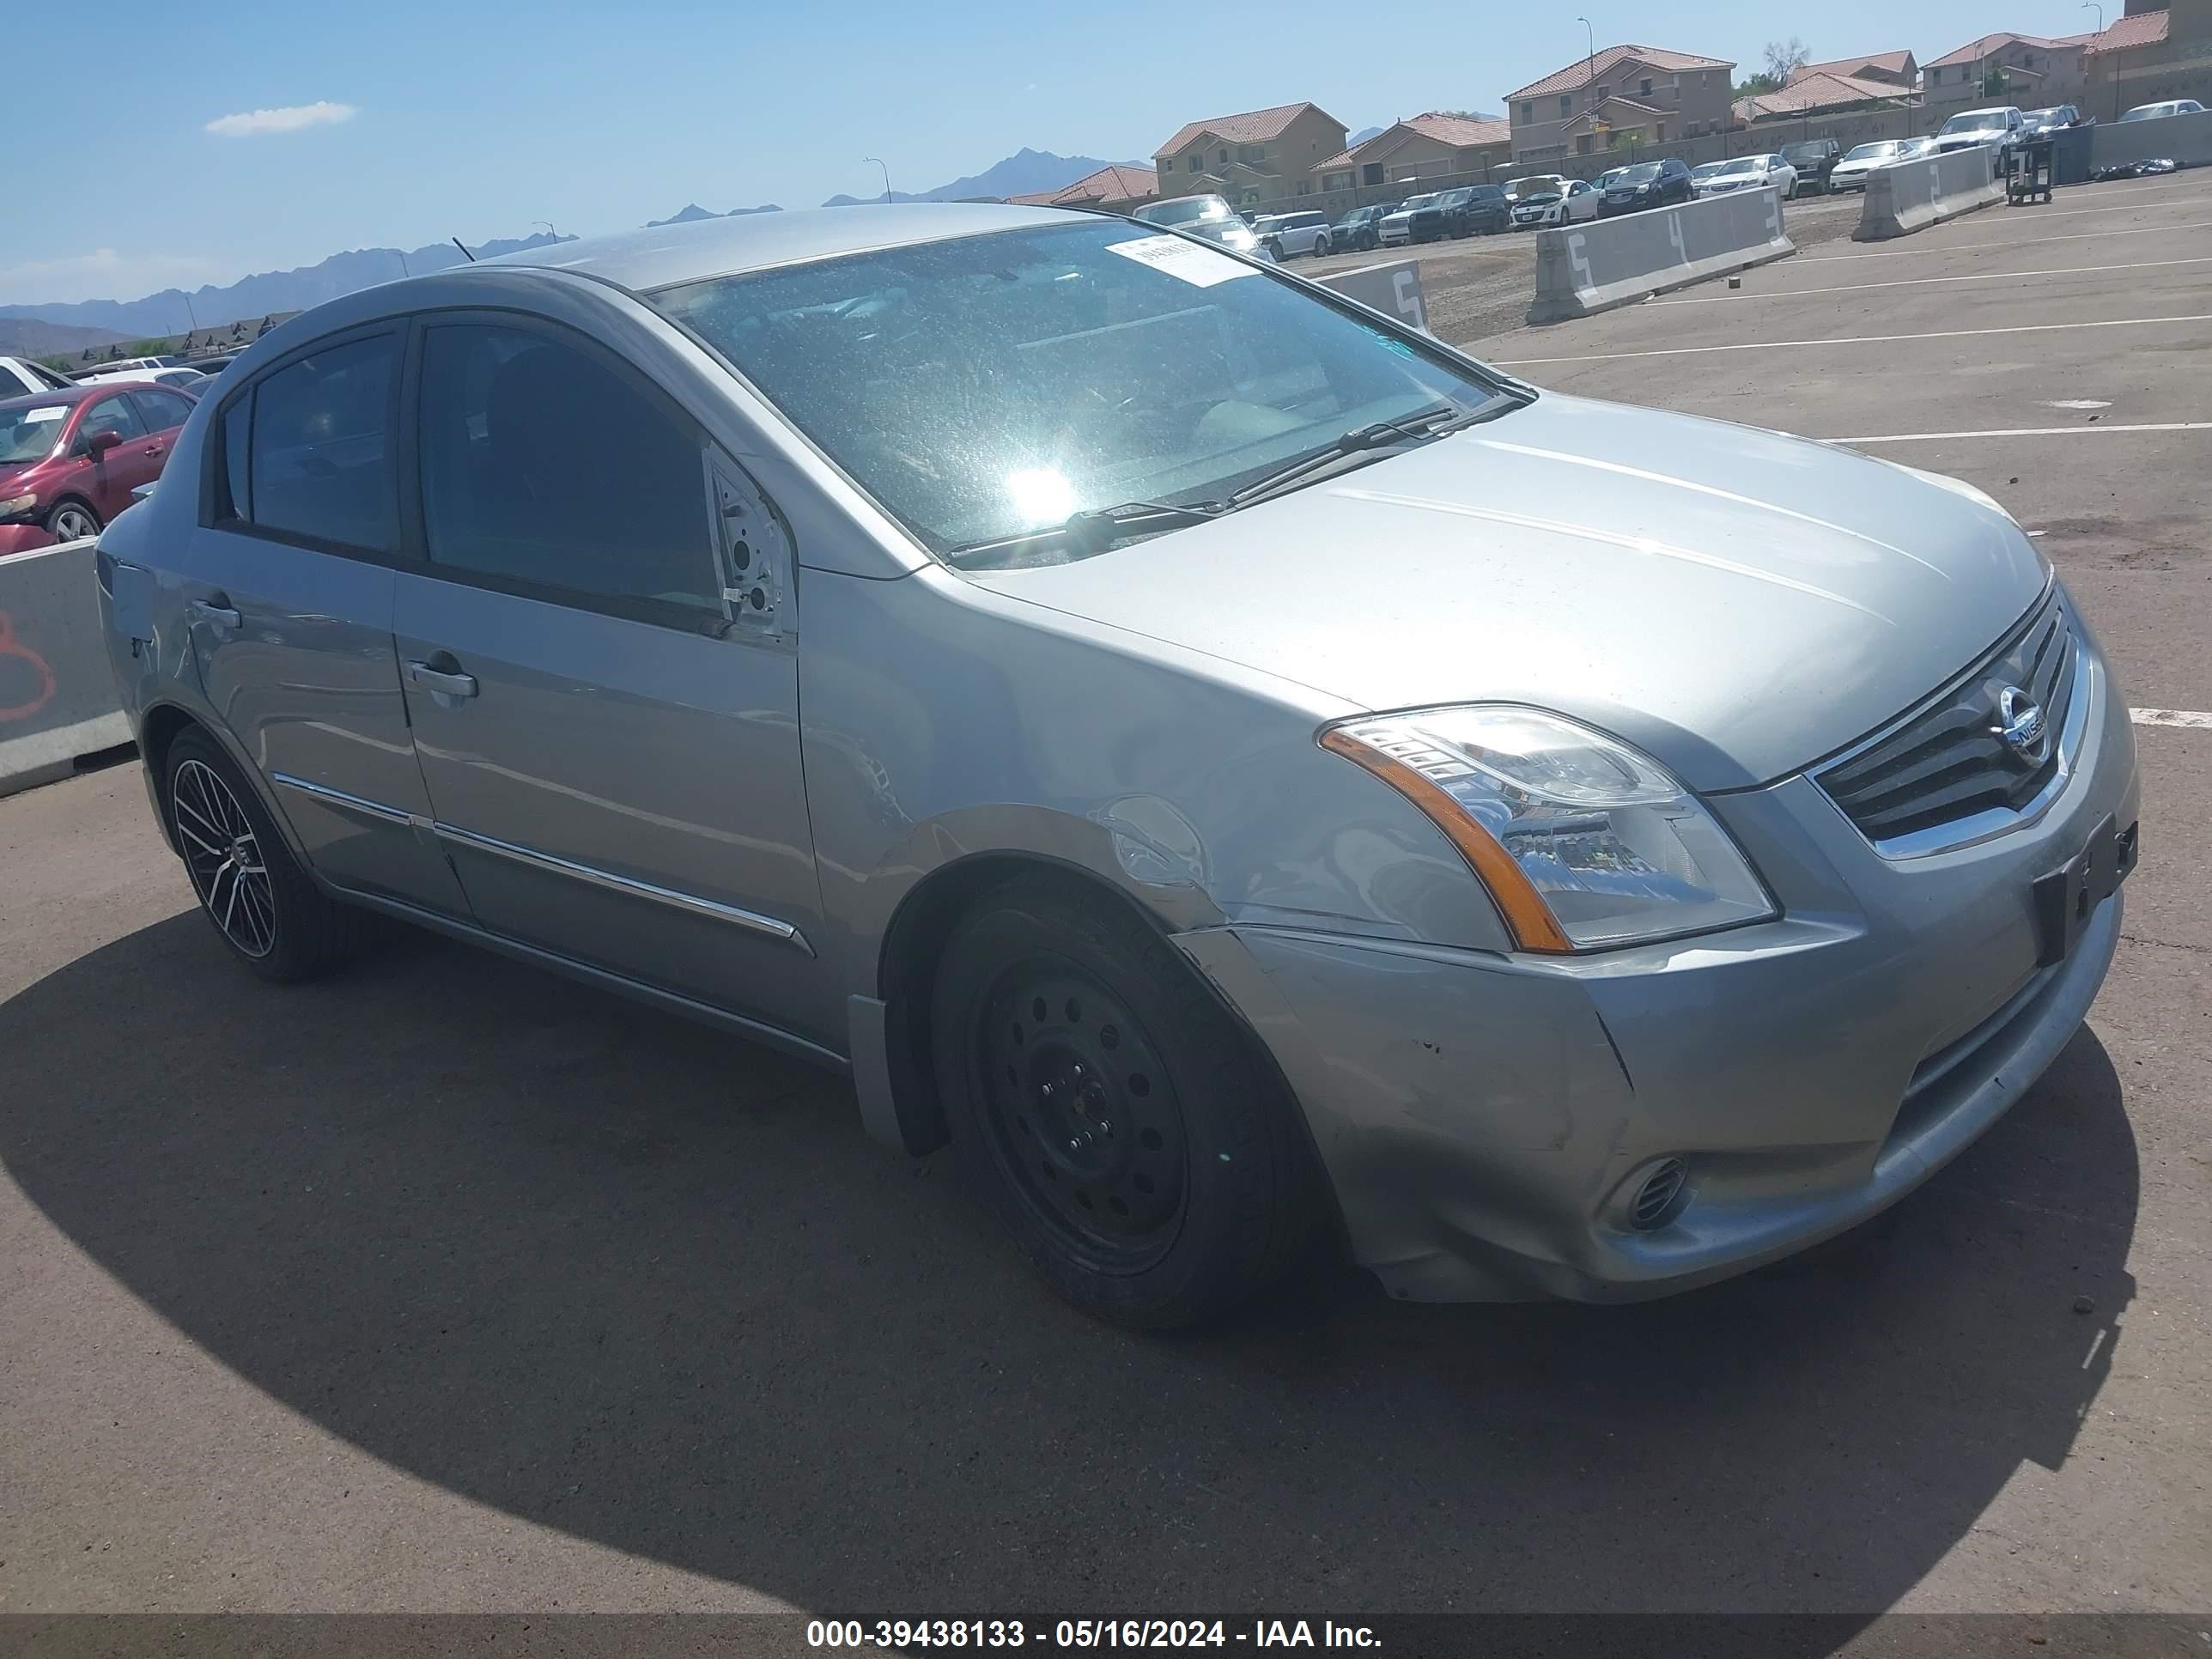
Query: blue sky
x: 477, y: 117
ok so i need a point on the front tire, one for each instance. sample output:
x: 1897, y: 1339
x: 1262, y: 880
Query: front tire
x: 72, y: 521
x: 1320, y: 248
x: 267, y: 910
x: 1113, y: 1114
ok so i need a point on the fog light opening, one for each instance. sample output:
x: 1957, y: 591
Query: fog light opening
x: 1660, y: 1198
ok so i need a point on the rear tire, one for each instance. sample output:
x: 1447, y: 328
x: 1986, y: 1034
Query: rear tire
x: 1111, y: 1113
x: 262, y: 905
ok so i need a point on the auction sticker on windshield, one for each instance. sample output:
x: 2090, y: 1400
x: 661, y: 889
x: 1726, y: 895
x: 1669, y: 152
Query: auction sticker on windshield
x: 31, y: 416
x: 1194, y: 262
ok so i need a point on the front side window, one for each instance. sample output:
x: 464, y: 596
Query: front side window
x: 988, y: 385
x: 320, y: 455
x: 113, y: 414
x: 544, y: 466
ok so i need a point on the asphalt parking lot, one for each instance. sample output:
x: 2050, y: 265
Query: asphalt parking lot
x: 449, y: 1285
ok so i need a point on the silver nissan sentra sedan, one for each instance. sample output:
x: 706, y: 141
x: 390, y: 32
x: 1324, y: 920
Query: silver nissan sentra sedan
x: 1245, y: 773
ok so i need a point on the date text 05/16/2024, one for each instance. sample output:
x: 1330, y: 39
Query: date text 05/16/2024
x: 1085, y: 1633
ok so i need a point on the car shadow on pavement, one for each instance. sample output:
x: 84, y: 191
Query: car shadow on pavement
x: 636, y: 1280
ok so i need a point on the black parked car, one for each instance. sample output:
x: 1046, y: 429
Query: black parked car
x: 1477, y: 211
x: 1646, y: 185
x: 1815, y: 160
x: 1361, y: 229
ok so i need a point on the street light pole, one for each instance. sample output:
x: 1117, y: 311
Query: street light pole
x: 879, y: 161
x: 1590, y: 74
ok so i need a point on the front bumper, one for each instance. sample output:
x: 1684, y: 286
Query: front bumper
x: 1483, y: 1118
x: 22, y: 537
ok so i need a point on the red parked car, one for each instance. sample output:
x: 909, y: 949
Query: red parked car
x: 69, y: 460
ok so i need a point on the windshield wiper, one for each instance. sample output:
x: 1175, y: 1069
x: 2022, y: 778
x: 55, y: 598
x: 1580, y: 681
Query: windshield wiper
x: 1097, y: 529
x: 1431, y: 422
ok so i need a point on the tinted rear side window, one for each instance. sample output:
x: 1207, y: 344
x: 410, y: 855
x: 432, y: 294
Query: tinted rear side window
x: 542, y: 465
x: 321, y: 450
x: 162, y: 409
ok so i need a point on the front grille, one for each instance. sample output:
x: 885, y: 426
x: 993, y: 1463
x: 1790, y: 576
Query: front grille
x: 1947, y: 761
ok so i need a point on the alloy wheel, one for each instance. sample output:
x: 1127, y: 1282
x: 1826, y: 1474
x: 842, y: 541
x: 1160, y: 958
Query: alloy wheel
x: 222, y: 855
x: 1082, y: 1116
x: 73, y: 524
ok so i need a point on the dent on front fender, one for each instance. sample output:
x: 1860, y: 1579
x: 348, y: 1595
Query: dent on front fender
x: 943, y: 721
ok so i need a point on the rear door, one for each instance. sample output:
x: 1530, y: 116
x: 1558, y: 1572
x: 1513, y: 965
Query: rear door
x: 165, y: 413
x: 598, y: 651
x: 290, y: 581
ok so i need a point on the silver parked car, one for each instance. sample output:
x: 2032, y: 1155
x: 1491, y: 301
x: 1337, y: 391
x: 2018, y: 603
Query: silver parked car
x: 1241, y: 771
x: 1286, y: 235
x: 1208, y: 218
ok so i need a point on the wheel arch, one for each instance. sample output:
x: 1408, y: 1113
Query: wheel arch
x: 914, y: 942
x: 159, y: 728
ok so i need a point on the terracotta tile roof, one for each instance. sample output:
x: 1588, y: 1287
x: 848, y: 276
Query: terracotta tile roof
x: 1453, y: 129
x: 1582, y: 69
x: 1458, y: 132
x: 1116, y: 183
x: 1611, y: 104
x: 1815, y: 92
x: 1252, y: 127
x: 1895, y: 63
x: 2146, y: 29
x: 1974, y: 50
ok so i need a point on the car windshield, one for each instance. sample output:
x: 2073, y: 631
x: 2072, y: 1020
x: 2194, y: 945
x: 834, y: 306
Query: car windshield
x: 1974, y: 120
x: 1742, y: 164
x: 1412, y: 202
x: 1706, y: 170
x: 1874, y: 152
x: 28, y: 430
x: 2147, y: 113
x: 988, y: 385
x: 1642, y: 174
x: 1804, y: 152
x: 1184, y: 210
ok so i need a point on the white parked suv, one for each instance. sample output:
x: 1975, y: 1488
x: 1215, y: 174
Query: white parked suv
x: 1286, y: 235
x: 1998, y: 129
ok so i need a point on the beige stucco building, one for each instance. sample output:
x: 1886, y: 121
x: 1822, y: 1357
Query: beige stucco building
x: 1619, y: 98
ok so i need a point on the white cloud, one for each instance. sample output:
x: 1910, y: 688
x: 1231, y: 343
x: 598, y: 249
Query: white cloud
x: 253, y: 123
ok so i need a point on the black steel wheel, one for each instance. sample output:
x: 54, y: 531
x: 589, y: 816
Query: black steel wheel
x: 267, y: 909
x: 1082, y: 1114
x: 1122, y: 1125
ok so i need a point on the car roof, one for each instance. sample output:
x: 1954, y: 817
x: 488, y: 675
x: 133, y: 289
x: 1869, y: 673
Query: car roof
x: 669, y: 254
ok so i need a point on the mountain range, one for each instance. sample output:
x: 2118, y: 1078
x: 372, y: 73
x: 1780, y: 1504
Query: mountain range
x: 265, y: 292
x: 1025, y: 172
x: 691, y: 213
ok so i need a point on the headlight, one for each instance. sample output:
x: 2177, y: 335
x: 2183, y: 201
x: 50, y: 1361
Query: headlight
x: 1241, y: 239
x: 19, y: 505
x: 1582, y: 841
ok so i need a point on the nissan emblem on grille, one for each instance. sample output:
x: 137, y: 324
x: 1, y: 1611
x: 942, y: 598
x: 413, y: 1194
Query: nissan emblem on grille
x: 2021, y: 726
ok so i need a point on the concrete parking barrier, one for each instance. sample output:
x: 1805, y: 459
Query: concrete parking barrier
x: 1588, y: 268
x: 1908, y: 196
x: 2185, y: 139
x: 57, y: 700
x: 1393, y: 287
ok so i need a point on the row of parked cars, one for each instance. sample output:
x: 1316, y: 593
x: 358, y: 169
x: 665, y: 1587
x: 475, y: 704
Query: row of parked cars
x: 72, y: 450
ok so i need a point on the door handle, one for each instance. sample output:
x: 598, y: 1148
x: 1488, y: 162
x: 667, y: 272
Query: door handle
x: 220, y: 613
x: 438, y: 679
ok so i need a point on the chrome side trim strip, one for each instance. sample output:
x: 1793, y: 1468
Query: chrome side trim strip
x: 750, y: 919
x: 338, y: 798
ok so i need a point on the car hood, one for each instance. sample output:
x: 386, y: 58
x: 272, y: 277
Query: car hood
x: 1736, y: 602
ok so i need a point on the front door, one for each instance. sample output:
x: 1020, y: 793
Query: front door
x: 599, y: 657
x: 134, y: 460
x: 289, y: 587
x: 165, y: 413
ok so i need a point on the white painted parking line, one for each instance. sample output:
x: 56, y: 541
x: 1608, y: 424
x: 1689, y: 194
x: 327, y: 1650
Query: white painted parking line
x: 2025, y: 432
x: 1924, y: 281
x: 1859, y: 339
x: 2009, y: 241
x: 2189, y: 717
